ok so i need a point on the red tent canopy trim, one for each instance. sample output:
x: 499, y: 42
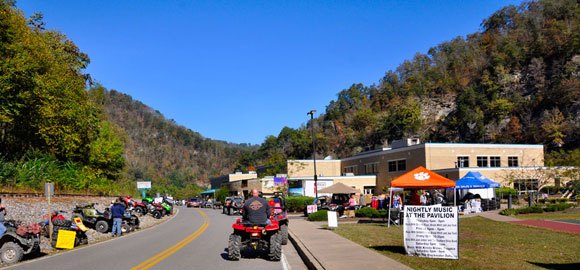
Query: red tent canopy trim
x: 422, y: 178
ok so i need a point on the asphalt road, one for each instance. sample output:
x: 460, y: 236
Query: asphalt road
x: 193, y: 239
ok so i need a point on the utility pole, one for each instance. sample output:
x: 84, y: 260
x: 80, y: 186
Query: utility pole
x: 311, y: 113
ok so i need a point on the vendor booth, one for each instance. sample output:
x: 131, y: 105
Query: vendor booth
x: 420, y: 178
x: 339, y: 198
x: 476, y: 183
x: 473, y: 185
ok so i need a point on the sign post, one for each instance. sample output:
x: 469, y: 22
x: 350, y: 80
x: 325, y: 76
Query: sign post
x: 49, y: 192
x: 431, y: 231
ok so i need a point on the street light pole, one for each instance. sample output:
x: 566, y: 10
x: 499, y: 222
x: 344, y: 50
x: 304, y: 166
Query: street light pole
x: 311, y: 113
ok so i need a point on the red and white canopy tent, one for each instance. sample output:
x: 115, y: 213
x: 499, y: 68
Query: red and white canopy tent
x: 419, y: 178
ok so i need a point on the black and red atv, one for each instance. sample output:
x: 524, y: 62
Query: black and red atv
x: 258, y: 237
x: 137, y: 207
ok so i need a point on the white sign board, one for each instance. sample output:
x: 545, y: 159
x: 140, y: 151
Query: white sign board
x: 311, y: 208
x: 332, y: 219
x: 48, y: 189
x: 431, y: 231
x: 144, y: 185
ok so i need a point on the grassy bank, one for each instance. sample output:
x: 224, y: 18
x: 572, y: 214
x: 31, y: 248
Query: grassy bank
x: 483, y: 244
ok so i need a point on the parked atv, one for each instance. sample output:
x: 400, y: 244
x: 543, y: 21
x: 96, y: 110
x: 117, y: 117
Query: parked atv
x: 55, y: 215
x: 18, y: 241
x: 102, y: 221
x: 76, y: 225
x: 139, y: 208
x: 259, y: 237
x: 156, y: 210
x: 280, y: 214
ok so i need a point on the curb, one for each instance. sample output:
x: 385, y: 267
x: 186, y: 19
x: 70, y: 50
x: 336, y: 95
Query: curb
x: 305, y: 254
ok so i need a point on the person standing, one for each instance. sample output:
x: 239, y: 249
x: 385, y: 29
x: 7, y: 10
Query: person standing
x: 117, y: 212
x: 2, y: 215
x: 397, y: 201
x: 423, y: 198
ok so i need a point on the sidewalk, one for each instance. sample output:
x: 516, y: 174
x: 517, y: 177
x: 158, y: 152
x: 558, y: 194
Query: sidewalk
x: 323, y: 249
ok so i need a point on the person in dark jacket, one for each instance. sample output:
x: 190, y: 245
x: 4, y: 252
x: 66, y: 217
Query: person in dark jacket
x: 2, y: 215
x: 256, y: 209
x: 117, y: 211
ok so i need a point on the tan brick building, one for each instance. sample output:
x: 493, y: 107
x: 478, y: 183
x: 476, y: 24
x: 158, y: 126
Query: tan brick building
x: 453, y: 160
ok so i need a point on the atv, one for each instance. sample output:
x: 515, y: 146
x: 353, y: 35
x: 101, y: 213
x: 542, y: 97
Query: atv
x: 233, y: 206
x: 158, y: 210
x: 76, y: 225
x: 137, y: 207
x: 280, y: 214
x: 18, y: 241
x: 102, y: 221
x: 258, y: 237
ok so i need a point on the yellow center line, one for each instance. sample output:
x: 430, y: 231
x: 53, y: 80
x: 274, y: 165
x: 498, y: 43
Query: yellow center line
x: 170, y: 251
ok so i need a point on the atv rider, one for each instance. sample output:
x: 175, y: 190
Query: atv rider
x: 256, y: 209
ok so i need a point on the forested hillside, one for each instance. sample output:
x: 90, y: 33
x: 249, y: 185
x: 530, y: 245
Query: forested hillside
x: 52, y: 129
x: 515, y: 81
x: 158, y: 149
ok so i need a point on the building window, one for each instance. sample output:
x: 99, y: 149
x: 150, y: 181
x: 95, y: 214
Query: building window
x: 392, y: 166
x: 397, y: 165
x: 494, y: 162
x: 463, y: 162
x: 402, y: 165
x: 512, y: 161
x: 481, y: 161
x: 371, y: 168
x: 369, y: 190
x: 351, y: 169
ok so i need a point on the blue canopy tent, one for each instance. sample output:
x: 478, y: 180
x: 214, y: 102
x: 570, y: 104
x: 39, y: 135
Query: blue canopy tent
x: 474, y: 180
x: 209, y: 192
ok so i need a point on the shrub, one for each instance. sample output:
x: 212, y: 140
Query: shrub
x: 508, y: 212
x: 529, y: 210
x: 557, y: 207
x: 321, y: 215
x: 367, y: 212
x: 298, y: 203
x: 563, y: 200
x: 542, y: 201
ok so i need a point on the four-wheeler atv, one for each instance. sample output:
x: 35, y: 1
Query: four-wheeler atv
x: 258, y: 237
x: 137, y: 207
x: 102, y: 221
x: 158, y: 210
x: 76, y: 225
x: 18, y: 241
x: 280, y: 214
x: 233, y: 205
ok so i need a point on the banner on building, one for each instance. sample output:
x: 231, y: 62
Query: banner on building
x: 280, y: 181
x: 431, y: 231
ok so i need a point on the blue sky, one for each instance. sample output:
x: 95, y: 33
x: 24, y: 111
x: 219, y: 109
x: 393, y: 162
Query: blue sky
x: 241, y: 70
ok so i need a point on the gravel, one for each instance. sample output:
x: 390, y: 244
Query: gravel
x: 31, y: 209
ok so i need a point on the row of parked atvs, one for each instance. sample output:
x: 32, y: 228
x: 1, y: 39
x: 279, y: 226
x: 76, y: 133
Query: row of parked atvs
x: 20, y: 239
